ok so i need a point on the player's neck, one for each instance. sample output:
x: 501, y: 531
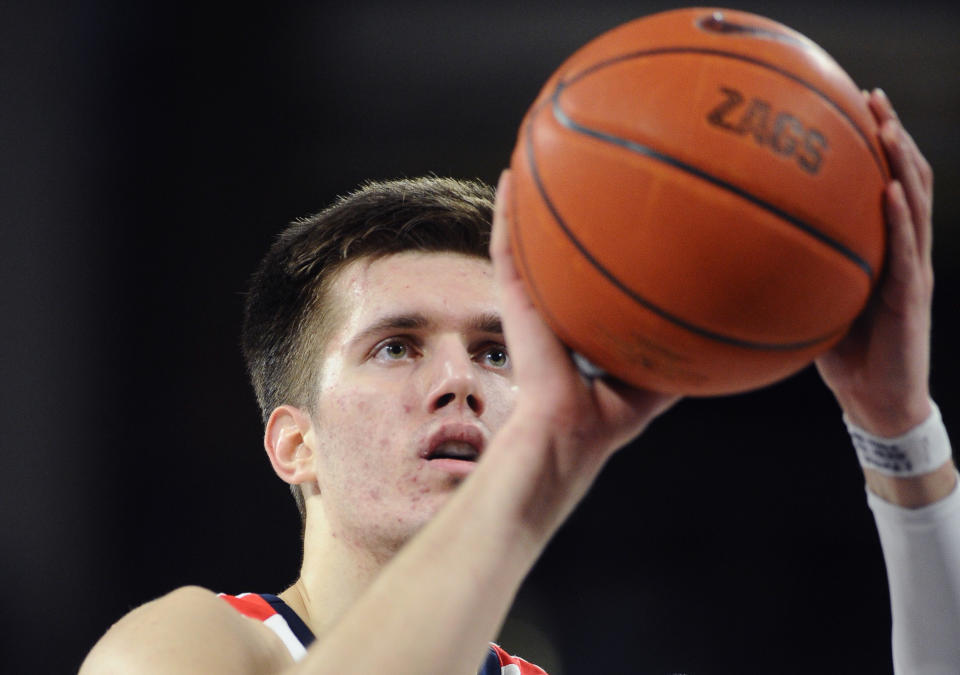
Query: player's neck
x: 334, y: 573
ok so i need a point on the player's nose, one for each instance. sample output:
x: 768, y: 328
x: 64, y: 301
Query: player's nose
x: 454, y: 384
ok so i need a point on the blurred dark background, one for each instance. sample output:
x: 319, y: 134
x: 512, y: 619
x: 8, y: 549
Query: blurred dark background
x: 149, y: 151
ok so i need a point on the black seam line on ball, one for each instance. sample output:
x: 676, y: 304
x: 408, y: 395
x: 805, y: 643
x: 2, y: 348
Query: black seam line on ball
x: 641, y: 149
x: 747, y: 59
x: 639, y: 299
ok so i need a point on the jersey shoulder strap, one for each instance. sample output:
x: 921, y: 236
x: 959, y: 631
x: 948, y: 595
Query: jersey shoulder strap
x: 499, y: 662
x: 277, y: 616
x: 289, y: 627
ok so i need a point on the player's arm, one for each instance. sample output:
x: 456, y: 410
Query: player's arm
x: 190, y: 630
x: 880, y: 371
x: 879, y: 374
x: 440, y: 601
x: 435, y: 607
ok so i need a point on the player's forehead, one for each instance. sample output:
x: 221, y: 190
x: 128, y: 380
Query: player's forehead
x: 441, y: 288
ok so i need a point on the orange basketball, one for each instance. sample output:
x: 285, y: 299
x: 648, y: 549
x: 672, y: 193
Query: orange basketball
x: 697, y: 201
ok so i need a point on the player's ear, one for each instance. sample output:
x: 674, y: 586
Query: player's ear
x: 288, y: 440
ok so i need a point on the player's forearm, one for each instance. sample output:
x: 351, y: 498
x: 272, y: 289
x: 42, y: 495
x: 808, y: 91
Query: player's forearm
x: 921, y: 549
x: 918, y: 518
x: 440, y: 601
x: 916, y: 491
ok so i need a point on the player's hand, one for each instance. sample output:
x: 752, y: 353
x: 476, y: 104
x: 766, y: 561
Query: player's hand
x: 587, y: 420
x: 879, y: 372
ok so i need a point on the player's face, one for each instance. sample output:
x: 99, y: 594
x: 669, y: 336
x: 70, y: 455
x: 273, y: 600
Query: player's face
x: 414, y: 382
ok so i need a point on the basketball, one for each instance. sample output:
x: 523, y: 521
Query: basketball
x: 697, y: 202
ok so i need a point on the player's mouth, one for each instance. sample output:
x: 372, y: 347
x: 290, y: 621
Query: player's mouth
x: 455, y: 450
x: 454, y: 446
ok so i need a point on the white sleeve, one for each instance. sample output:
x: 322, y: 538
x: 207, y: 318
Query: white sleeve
x: 921, y: 548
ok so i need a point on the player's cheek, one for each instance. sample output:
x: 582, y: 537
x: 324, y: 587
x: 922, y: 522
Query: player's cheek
x: 501, y: 395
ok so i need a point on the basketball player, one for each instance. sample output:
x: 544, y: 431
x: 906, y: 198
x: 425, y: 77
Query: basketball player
x: 433, y: 465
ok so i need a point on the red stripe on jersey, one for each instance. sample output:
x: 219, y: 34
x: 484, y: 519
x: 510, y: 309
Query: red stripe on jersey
x: 251, y: 605
x: 526, y: 668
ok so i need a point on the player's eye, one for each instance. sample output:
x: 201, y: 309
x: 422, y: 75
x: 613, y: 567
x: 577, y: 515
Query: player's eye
x: 496, y: 357
x: 393, y: 350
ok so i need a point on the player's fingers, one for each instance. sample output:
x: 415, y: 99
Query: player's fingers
x: 883, y: 110
x: 902, y: 259
x: 903, y: 155
x: 514, y: 303
x: 880, y: 106
x: 923, y: 224
x: 530, y: 340
x: 906, y: 171
x: 506, y: 274
x: 500, y: 252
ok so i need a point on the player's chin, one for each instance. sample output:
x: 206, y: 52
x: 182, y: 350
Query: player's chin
x: 454, y: 469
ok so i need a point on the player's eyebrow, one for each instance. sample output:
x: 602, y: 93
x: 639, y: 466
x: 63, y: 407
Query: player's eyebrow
x: 389, y: 323
x: 488, y: 322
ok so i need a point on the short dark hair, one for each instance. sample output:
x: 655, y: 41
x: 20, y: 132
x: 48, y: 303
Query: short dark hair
x: 287, y: 316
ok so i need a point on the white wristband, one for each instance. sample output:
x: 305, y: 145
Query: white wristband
x: 921, y: 450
